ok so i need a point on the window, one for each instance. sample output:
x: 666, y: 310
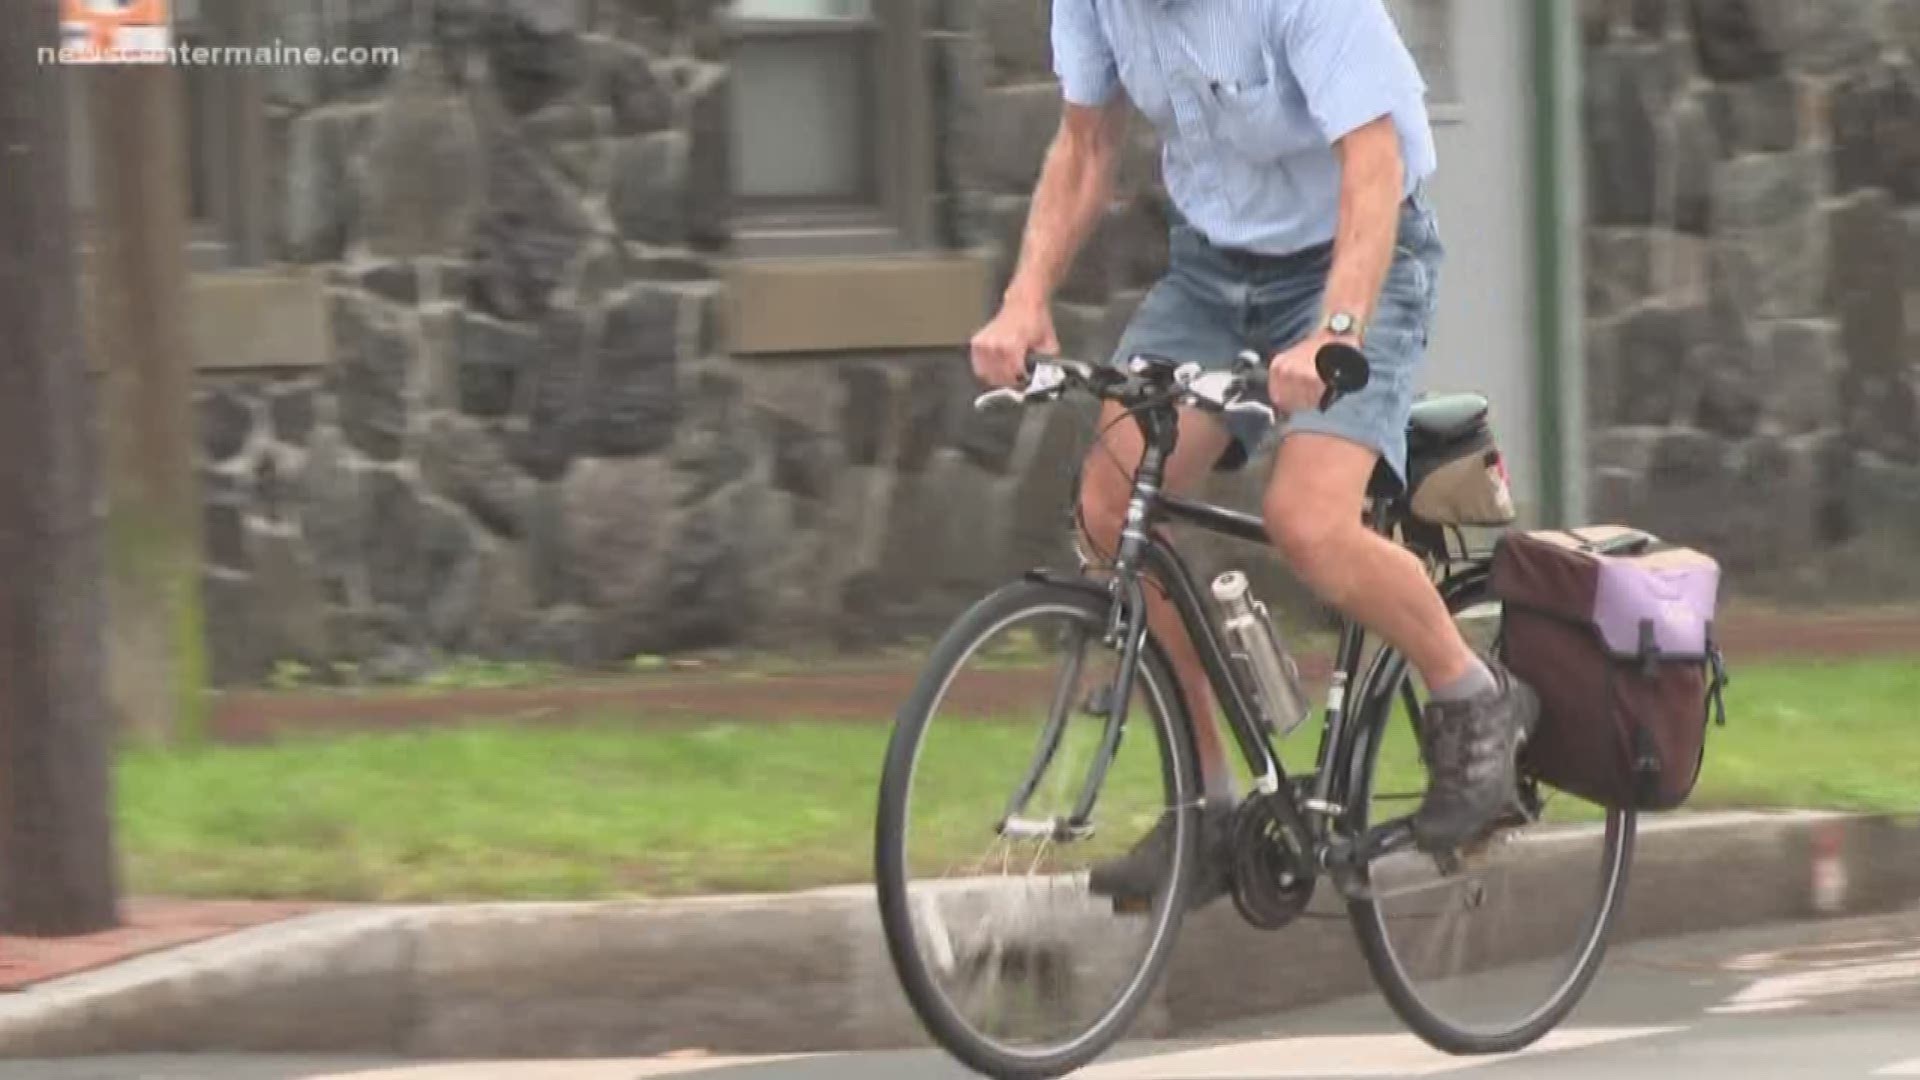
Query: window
x: 1427, y: 27
x: 831, y: 151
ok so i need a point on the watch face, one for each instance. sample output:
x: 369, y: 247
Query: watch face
x: 1341, y: 324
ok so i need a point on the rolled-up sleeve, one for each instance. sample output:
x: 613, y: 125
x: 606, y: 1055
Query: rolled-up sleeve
x: 1082, y: 56
x: 1351, y: 63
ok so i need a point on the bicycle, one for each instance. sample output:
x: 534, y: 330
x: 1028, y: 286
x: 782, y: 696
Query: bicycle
x: 974, y: 940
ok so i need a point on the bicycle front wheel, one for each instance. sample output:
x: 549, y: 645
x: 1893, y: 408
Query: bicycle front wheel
x: 1485, y: 955
x: 1007, y: 957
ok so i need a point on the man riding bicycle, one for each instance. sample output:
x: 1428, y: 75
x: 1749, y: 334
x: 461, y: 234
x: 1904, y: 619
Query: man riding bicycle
x: 1296, y: 150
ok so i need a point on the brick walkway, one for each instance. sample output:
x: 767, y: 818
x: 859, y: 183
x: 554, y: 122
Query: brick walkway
x: 151, y: 925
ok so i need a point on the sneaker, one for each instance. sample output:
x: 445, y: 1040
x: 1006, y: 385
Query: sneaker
x: 1471, y: 749
x: 1132, y: 880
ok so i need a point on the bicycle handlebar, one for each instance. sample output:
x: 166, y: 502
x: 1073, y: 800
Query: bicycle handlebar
x: 1343, y: 368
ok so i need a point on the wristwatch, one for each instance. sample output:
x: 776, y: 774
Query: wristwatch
x: 1343, y: 324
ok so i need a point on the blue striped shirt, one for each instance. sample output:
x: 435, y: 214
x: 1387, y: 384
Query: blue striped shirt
x: 1249, y: 97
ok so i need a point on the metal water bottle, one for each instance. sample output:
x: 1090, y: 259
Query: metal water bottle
x: 1253, y: 641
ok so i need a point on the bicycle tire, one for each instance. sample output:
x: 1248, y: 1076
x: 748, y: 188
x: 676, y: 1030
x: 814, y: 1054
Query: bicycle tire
x: 1379, y: 703
x: 1174, y: 736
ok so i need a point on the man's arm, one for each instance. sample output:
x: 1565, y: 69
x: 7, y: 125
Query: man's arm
x: 1076, y: 183
x: 1372, y: 182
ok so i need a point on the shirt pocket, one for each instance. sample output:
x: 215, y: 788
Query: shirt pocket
x: 1258, y: 118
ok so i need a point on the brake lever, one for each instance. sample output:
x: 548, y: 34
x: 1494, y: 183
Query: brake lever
x: 1256, y: 408
x: 1048, y: 377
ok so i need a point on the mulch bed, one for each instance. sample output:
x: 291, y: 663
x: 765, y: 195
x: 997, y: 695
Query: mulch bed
x: 860, y: 695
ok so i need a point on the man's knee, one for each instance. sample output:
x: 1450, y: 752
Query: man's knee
x: 1309, y: 534
x: 1103, y: 509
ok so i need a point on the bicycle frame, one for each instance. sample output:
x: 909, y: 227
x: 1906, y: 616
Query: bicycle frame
x: 1317, y: 818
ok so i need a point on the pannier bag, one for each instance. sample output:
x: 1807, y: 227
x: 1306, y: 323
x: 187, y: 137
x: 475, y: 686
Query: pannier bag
x: 1615, y: 631
x: 1460, y: 479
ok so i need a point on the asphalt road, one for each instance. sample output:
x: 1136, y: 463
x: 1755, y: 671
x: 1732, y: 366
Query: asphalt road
x: 1830, y: 1001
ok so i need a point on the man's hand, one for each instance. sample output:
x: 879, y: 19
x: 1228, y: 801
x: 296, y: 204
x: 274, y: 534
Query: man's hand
x: 1000, y: 349
x: 1293, y: 378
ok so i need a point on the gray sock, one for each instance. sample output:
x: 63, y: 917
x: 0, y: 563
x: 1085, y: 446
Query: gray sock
x: 1475, y: 681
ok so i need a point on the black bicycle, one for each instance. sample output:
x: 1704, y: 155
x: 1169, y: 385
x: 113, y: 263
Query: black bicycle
x: 1010, y: 774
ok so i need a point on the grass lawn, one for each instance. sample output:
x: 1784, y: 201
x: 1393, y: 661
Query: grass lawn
x: 607, y: 808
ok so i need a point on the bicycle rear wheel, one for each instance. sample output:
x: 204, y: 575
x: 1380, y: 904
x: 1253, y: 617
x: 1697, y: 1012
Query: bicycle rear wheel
x: 1004, y: 955
x: 1490, y: 956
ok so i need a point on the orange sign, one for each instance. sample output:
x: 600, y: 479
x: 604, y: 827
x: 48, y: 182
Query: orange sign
x: 124, y: 30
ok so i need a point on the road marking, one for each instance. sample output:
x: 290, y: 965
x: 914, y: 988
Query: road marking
x: 629, y: 1069
x: 1798, y: 989
x: 1349, y: 1057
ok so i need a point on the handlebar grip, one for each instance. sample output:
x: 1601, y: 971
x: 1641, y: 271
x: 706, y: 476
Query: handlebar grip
x: 1344, y: 369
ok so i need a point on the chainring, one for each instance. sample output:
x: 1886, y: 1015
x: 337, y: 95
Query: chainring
x: 1272, y: 883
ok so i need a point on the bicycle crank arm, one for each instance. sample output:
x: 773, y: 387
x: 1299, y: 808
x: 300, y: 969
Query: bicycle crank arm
x: 1057, y: 829
x: 1376, y: 844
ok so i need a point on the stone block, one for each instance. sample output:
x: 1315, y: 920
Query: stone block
x: 1763, y: 190
x: 1657, y: 380
x: 864, y: 418
x: 1737, y: 40
x: 1622, y: 146
x: 526, y: 234
x: 1825, y: 39
x: 1803, y: 365
x: 633, y: 396
x: 292, y: 606
x: 626, y: 78
x: 534, y: 52
x: 650, y: 185
x: 223, y: 536
x: 716, y: 441
x: 489, y: 359
x: 709, y: 205
x: 331, y: 512
x: 1867, y: 282
x: 1695, y: 150
x: 1018, y: 36
x: 1757, y: 117
x: 373, y: 355
x: 291, y: 407
x: 422, y: 170
x: 1875, y: 118
x: 1779, y: 272
x: 467, y: 463
x: 616, y: 520
x: 1732, y: 401
x: 1018, y: 125
x: 225, y: 421
x: 320, y: 207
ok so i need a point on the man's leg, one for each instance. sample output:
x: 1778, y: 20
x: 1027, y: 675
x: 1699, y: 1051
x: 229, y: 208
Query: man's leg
x: 1106, y: 486
x: 1313, y: 512
x: 1476, y: 712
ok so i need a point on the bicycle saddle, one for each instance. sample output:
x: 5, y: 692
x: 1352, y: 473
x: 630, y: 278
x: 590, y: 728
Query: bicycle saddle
x: 1443, y: 419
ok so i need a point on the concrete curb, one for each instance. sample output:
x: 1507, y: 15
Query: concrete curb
x: 809, y: 972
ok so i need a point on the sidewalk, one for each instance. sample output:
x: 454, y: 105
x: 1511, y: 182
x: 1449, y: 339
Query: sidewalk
x: 807, y: 972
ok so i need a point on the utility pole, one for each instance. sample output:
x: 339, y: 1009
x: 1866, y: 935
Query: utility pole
x: 140, y: 331
x: 57, y: 868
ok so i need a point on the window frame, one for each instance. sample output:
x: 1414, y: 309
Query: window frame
x: 226, y: 137
x: 899, y: 148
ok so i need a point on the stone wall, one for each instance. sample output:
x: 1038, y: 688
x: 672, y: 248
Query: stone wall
x: 1753, y: 268
x: 529, y: 442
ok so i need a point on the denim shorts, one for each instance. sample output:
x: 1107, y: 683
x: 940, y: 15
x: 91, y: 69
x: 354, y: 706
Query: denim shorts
x: 1216, y: 302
